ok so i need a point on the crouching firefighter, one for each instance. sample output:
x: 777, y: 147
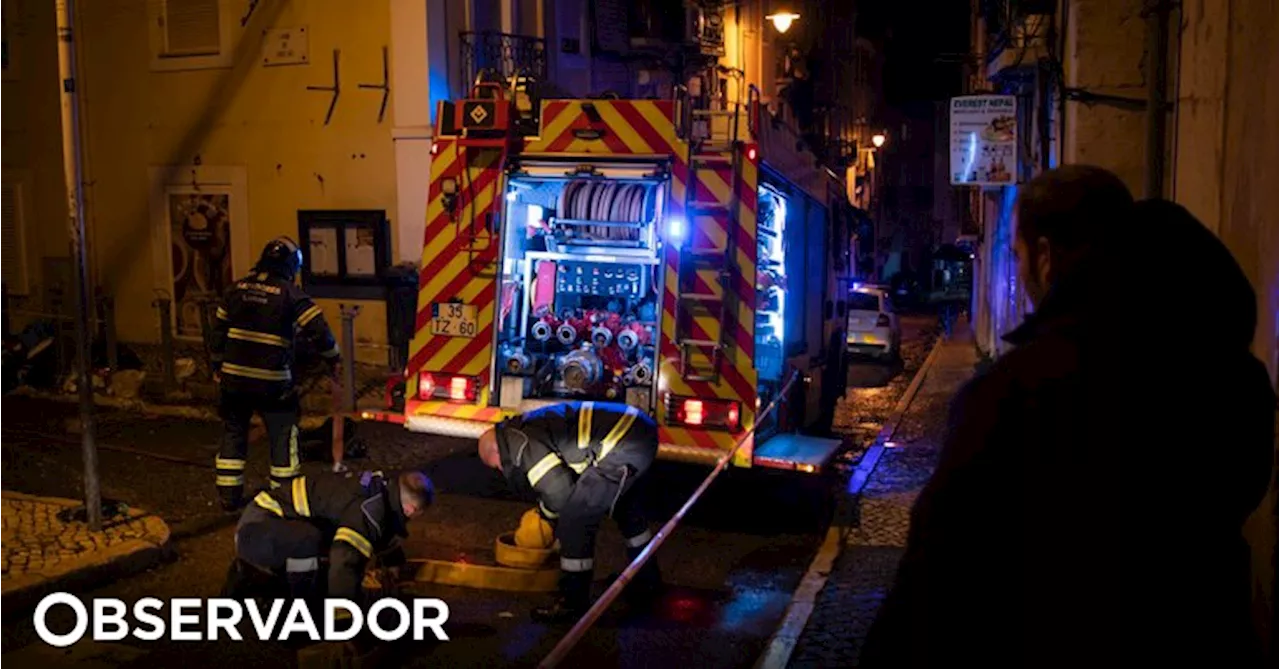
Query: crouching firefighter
x: 291, y: 534
x: 583, y: 461
x: 252, y: 351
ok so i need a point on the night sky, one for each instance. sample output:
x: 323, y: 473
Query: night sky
x: 921, y: 41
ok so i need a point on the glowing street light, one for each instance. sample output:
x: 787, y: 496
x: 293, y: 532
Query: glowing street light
x: 878, y: 139
x: 782, y: 20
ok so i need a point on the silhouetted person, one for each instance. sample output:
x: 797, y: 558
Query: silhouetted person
x: 1088, y: 504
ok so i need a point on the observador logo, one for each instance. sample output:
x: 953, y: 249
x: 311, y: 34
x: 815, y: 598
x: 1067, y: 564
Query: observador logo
x: 193, y: 619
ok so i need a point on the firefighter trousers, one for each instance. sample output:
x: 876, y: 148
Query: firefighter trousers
x: 280, y: 546
x: 600, y: 491
x: 280, y: 414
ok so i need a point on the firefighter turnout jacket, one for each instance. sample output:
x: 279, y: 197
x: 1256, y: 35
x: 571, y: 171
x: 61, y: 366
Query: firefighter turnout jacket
x: 363, y: 516
x: 257, y: 325
x: 548, y: 450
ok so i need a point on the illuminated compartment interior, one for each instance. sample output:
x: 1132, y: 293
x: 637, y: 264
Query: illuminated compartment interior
x: 580, y: 286
x: 771, y: 283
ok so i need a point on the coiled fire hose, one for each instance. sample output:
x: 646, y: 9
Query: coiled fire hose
x: 580, y: 628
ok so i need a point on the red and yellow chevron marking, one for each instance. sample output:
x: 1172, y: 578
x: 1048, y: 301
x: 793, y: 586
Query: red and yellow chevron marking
x: 458, y: 263
x: 737, y: 367
x: 480, y: 411
x: 625, y: 127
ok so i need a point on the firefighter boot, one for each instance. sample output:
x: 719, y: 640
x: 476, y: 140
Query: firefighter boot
x: 573, y: 602
x: 240, y: 578
x: 232, y: 498
x: 646, y: 586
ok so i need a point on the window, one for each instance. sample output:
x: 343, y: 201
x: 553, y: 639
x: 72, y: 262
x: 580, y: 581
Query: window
x: 864, y: 302
x: 192, y: 34
x: 9, y: 23
x: 13, y: 237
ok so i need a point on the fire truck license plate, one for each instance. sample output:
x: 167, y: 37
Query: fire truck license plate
x: 449, y: 319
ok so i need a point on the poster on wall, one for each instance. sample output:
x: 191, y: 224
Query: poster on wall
x: 200, y: 234
x: 984, y: 140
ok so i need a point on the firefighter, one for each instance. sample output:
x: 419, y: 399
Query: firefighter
x: 583, y: 461
x: 252, y: 349
x: 287, y: 533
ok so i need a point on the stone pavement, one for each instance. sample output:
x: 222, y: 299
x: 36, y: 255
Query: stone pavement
x: 864, y: 570
x: 43, y: 553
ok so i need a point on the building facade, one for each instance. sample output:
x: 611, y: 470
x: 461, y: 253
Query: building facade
x: 1195, y: 124
x: 211, y: 126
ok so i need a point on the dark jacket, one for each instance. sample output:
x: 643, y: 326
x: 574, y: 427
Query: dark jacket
x: 363, y: 516
x: 255, y: 331
x: 544, y: 452
x: 1088, y: 504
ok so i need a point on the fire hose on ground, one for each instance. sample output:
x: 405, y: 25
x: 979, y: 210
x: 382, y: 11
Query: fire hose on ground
x: 580, y: 628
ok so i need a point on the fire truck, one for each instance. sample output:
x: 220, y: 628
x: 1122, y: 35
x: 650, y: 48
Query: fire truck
x: 683, y: 260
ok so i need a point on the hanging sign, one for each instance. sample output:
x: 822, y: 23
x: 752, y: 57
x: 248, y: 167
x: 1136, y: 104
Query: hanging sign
x: 984, y: 140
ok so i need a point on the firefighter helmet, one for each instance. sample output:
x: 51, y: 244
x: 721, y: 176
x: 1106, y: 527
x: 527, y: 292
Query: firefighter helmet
x: 281, y: 256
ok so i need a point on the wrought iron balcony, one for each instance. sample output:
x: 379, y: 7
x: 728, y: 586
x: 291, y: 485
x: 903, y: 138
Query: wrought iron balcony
x: 502, y: 54
x: 1014, y: 23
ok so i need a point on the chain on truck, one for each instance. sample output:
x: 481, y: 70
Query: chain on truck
x: 678, y: 255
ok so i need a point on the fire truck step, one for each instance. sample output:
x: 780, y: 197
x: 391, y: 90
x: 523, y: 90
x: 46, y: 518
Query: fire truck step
x: 701, y: 297
x: 796, y: 452
x: 710, y: 207
x: 702, y: 343
x: 715, y: 112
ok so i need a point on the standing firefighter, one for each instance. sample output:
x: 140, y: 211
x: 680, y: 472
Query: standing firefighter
x: 287, y: 532
x: 252, y: 350
x: 584, y: 461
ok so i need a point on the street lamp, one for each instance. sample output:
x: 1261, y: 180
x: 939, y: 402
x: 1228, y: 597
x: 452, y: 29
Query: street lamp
x: 782, y: 20
x: 878, y: 139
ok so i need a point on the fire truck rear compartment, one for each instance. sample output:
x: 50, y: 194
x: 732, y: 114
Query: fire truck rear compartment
x: 580, y: 284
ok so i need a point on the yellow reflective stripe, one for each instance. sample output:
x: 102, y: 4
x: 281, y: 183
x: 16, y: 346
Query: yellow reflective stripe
x: 547, y: 512
x: 579, y: 467
x: 254, y: 372
x: 356, y: 539
x: 584, y: 425
x: 546, y: 464
x: 286, y: 472
x: 618, y: 432
x: 300, y: 502
x: 294, y: 463
x: 257, y: 337
x: 222, y: 313
x: 308, y: 315
x: 229, y: 481
x: 269, y: 503
x: 331, y: 353
x: 229, y: 463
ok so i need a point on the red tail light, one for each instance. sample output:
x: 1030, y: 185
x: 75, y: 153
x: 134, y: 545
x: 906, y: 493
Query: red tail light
x: 883, y: 321
x: 724, y: 414
x: 447, y: 387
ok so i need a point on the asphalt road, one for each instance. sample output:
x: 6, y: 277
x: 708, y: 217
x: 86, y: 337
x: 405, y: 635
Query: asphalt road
x: 731, y: 567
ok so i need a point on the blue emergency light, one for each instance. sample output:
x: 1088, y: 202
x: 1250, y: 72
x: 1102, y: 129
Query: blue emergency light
x: 676, y: 230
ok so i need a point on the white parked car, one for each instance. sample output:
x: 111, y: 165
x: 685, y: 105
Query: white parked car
x: 872, y: 327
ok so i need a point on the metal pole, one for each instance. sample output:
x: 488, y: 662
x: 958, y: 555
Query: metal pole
x: 75, y: 223
x: 165, y: 305
x: 109, y: 334
x: 349, y: 314
x: 566, y: 644
x: 1157, y: 13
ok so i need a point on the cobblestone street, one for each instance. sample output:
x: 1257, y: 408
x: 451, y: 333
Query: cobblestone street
x: 865, y: 569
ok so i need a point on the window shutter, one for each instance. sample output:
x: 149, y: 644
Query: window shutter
x: 191, y: 28
x: 13, y: 256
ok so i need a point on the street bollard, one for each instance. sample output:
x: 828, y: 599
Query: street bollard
x: 165, y: 305
x: 349, y: 314
x: 207, y: 307
x: 107, y: 304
